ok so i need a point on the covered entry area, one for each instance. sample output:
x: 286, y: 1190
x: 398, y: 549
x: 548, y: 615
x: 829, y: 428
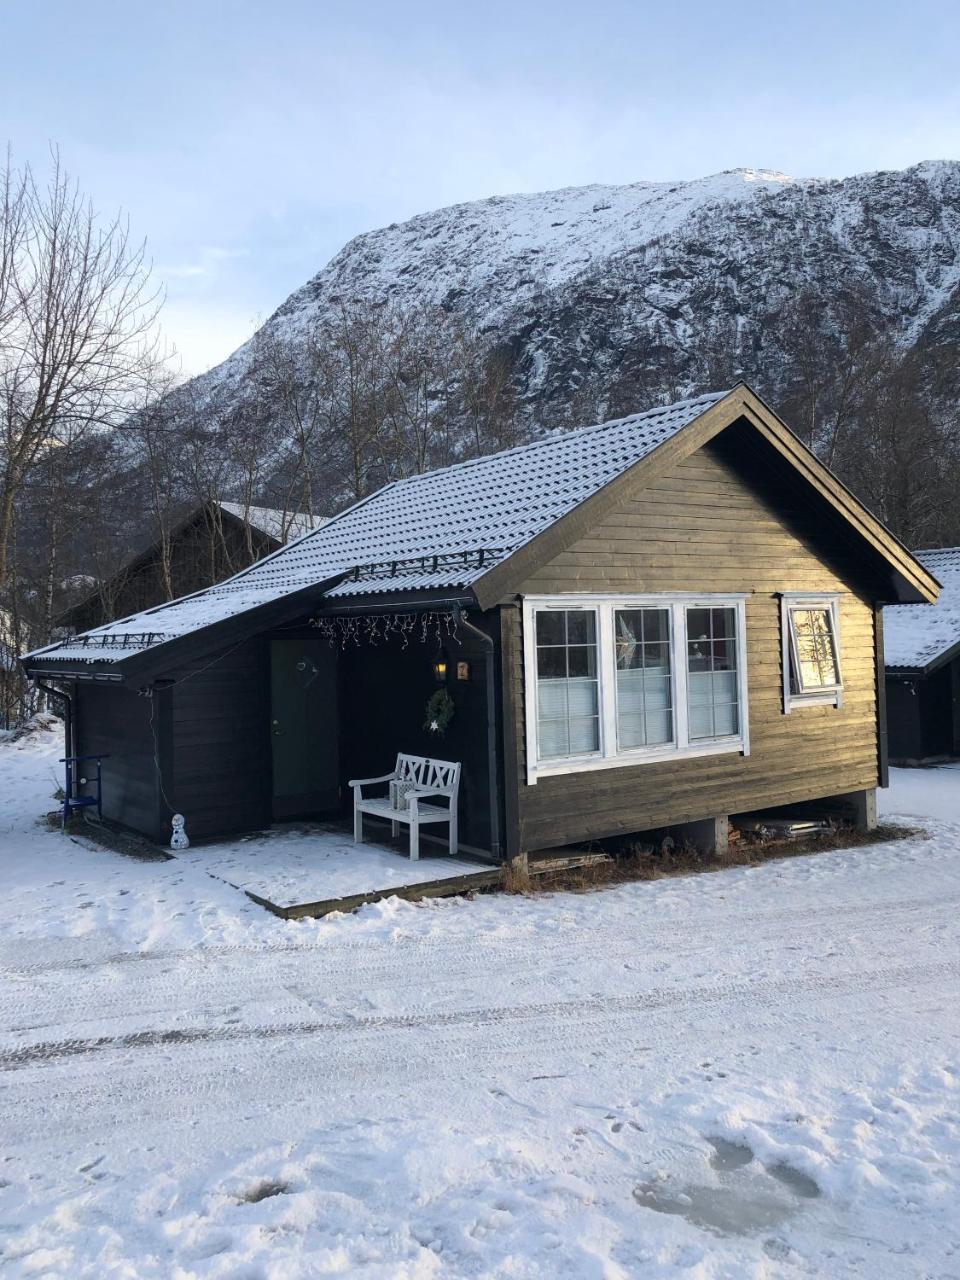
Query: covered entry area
x: 353, y: 688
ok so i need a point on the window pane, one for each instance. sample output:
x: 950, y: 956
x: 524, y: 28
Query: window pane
x: 701, y: 721
x: 581, y: 626
x: 582, y: 660
x: 584, y: 736
x: 698, y: 624
x: 550, y: 626
x: 628, y: 632
x: 582, y: 697
x: 644, y: 682
x: 656, y: 626
x: 712, y: 685
x: 554, y: 739
x: 724, y: 653
x: 552, y: 699
x: 568, y: 702
x: 551, y: 663
x: 726, y: 720
x: 815, y: 648
x: 723, y: 623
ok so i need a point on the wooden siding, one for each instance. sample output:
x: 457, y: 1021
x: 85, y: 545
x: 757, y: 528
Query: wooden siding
x: 219, y: 774
x: 726, y: 519
x: 201, y: 552
x: 115, y: 721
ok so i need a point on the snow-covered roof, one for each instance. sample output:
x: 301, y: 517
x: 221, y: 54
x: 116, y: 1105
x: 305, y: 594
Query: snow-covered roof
x: 282, y: 526
x: 443, y: 529
x: 916, y: 635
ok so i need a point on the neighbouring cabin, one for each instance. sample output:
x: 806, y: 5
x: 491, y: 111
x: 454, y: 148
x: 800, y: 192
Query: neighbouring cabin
x: 649, y: 624
x: 923, y: 669
x: 204, y: 545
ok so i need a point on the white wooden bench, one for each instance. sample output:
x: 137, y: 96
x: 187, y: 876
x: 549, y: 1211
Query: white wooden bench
x: 420, y: 779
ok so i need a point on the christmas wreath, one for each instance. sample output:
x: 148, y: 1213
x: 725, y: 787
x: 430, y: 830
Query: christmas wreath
x: 439, y: 713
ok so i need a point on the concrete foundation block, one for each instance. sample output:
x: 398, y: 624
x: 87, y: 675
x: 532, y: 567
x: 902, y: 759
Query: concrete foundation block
x: 709, y: 835
x: 863, y: 805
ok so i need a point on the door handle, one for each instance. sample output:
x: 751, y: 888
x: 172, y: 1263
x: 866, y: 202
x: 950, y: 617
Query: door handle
x: 277, y: 731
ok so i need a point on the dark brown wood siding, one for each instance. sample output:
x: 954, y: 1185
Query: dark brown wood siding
x: 202, y: 552
x: 219, y: 774
x: 115, y: 721
x: 724, y: 520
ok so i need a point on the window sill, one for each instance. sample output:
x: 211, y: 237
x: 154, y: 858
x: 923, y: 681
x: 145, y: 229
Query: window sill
x: 833, y: 698
x: 593, y: 763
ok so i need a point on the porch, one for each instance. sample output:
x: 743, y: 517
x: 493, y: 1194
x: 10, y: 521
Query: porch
x: 350, y: 691
x: 297, y: 870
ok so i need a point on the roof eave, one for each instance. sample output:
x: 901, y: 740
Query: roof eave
x: 142, y: 666
x: 942, y: 659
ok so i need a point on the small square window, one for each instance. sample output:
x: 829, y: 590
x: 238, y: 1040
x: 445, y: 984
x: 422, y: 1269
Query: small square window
x: 811, y: 651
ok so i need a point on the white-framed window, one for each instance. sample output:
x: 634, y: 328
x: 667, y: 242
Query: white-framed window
x: 568, y: 701
x: 617, y: 680
x: 810, y: 630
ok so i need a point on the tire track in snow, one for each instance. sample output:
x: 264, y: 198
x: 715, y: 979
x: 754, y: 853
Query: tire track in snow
x: 146, y: 992
x: 742, y: 994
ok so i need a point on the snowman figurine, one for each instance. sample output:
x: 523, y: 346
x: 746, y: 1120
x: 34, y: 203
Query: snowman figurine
x: 179, y: 839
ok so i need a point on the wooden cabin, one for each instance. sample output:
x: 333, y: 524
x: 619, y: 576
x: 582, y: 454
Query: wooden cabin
x: 205, y: 544
x: 648, y: 624
x: 923, y: 669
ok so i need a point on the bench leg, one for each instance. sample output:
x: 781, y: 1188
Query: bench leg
x: 453, y: 831
x: 394, y: 829
x: 414, y: 841
x: 357, y: 825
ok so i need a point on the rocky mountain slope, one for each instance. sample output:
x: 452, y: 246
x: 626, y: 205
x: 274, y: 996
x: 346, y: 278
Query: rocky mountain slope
x: 657, y: 287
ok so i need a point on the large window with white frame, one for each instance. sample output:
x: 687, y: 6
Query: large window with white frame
x: 617, y: 680
x: 810, y: 627
x: 568, y: 703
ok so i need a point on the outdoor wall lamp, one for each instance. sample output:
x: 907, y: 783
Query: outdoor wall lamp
x: 440, y: 667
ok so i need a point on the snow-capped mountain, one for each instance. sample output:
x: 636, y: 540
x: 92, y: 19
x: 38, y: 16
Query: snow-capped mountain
x: 643, y: 284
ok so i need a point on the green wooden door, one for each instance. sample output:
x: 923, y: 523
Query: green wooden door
x: 304, y: 728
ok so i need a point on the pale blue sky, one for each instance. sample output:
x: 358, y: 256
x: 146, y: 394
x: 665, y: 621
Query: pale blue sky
x: 249, y: 141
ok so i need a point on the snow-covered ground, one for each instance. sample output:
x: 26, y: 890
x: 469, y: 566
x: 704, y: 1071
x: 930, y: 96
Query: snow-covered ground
x: 747, y: 1074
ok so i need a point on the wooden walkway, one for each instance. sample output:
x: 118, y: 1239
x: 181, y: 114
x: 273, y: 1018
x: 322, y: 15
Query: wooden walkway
x: 485, y: 877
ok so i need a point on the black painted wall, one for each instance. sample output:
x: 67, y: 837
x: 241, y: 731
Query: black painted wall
x: 115, y: 721
x: 211, y: 735
x: 218, y: 773
x: 923, y: 715
x: 383, y: 693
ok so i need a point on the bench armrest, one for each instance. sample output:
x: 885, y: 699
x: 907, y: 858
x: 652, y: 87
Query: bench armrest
x: 426, y: 794
x: 366, y: 782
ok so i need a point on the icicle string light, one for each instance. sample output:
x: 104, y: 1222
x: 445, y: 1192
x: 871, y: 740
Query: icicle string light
x: 376, y: 628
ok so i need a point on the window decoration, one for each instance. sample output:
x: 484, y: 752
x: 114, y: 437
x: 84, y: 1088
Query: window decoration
x: 616, y: 680
x: 811, y: 653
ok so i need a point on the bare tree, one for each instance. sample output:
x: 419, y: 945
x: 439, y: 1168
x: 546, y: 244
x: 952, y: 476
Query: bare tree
x: 77, y: 325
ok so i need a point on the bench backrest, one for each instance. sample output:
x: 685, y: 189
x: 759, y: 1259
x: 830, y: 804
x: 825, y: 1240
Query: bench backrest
x: 436, y: 775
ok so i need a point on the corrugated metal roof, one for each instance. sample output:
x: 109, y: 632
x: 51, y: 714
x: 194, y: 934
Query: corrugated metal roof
x: 915, y: 635
x: 466, y: 517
